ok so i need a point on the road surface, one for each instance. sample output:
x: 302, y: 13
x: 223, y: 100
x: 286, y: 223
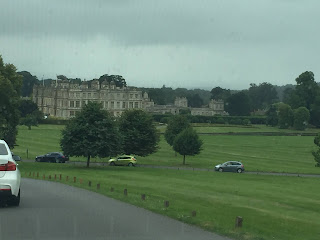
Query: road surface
x: 50, y: 210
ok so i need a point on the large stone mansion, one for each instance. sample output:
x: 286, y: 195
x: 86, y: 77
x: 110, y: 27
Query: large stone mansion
x: 63, y: 99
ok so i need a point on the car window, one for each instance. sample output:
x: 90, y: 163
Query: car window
x: 3, y: 149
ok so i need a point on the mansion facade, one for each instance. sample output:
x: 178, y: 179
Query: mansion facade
x: 63, y: 99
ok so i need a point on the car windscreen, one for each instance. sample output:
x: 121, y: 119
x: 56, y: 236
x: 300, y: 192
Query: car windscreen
x: 3, y: 149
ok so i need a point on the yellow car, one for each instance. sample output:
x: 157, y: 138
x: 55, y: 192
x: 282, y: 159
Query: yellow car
x: 125, y: 160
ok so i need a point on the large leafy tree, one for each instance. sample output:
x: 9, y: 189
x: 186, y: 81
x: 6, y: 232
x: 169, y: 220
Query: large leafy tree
x: 219, y: 93
x: 10, y: 87
x: 140, y: 136
x: 285, y: 116
x: 272, y: 115
x: 307, y: 88
x: 194, y: 100
x: 187, y: 143
x: 306, y: 94
x: 118, y: 80
x: 238, y: 104
x: 301, y: 118
x: 315, y: 112
x: 27, y: 106
x: 262, y: 95
x: 176, y: 125
x: 316, y: 154
x: 30, y: 114
x: 28, y: 81
x: 91, y: 133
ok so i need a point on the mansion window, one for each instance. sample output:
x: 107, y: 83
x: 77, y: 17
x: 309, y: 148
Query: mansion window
x: 77, y: 104
x: 71, y: 103
x: 136, y: 105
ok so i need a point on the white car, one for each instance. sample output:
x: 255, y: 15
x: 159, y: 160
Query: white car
x: 10, y: 177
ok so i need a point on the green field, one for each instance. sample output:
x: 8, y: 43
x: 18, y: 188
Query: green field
x: 290, y: 154
x: 216, y: 128
x: 272, y: 207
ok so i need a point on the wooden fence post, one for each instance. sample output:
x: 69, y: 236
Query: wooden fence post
x: 239, y: 221
x: 194, y: 213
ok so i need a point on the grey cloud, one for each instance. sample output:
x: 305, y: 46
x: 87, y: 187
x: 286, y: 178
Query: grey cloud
x: 147, y: 22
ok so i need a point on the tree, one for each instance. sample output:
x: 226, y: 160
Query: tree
x: 238, y: 104
x: 219, y: 93
x: 91, y: 133
x: 187, y: 143
x: 118, y: 80
x: 195, y: 100
x: 140, y: 136
x: 316, y: 154
x: 28, y: 81
x: 29, y: 120
x: 175, y: 125
x: 306, y: 94
x: 262, y: 95
x: 30, y: 114
x: 285, y: 116
x: 10, y: 88
x: 315, y: 112
x: 272, y: 116
x: 62, y: 77
x: 301, y: 118
x: 307, y: 88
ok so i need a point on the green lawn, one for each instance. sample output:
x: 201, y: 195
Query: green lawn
x: 222, y: 128
x: 258, y: 153
x: 211, y: 128
x: 273, y: 207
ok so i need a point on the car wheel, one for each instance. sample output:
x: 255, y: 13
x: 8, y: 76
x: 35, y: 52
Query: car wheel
x: 58, y: 161
x: 130, y: 164
x: 37, y: 160
x: 15, y: 201
x: 220, y: 170
x: 239, y: 170
x: 112, y: 164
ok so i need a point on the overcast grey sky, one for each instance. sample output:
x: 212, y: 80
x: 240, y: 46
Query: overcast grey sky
x: 177, y: 43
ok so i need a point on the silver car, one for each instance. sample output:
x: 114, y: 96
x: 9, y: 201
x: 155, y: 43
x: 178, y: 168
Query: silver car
x: 231, y: 166
x: 10, y: 177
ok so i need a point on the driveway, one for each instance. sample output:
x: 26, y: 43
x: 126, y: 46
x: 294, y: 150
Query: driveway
x: 51, y: 210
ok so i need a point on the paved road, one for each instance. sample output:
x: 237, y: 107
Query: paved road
x: 51, y: 210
